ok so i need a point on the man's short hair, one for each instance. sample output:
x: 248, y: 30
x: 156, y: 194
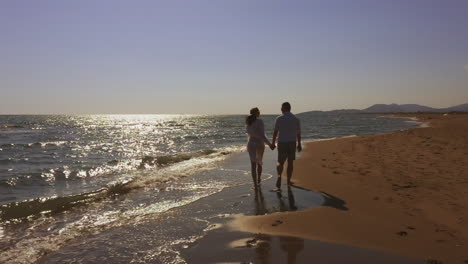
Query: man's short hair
x: 286, y: 106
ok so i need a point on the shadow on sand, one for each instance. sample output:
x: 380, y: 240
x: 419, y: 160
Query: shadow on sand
x: 333, y: 201
x: 329, y: 199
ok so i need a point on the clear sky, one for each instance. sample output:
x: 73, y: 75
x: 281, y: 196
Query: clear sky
x: 226, y: 56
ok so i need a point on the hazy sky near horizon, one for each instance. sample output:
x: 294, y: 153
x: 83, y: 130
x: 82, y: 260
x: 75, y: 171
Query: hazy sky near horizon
x: 224, y: 57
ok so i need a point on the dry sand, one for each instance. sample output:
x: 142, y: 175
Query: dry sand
x: 404, y: 192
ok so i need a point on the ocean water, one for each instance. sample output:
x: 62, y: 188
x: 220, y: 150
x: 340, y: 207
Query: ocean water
x: 64, y: 176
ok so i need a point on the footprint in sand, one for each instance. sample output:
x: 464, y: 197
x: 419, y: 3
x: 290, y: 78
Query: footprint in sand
x: 251, y: 242
x: 402, y: 233
x: 277, y: 222
x: 434, y: 261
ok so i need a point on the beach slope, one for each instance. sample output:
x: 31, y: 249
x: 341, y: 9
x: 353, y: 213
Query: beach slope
x: 404, y: 192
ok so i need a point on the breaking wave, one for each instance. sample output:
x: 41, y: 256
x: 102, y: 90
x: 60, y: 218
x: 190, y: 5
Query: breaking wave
x: 26, y: 210
x: 45, y: 206
x: 50, y: 175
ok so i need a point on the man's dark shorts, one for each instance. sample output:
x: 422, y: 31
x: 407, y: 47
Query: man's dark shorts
x: 286, y: 151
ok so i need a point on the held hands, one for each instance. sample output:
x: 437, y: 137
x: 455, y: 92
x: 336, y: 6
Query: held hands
x: 299, y: 147
x: 272, y: 146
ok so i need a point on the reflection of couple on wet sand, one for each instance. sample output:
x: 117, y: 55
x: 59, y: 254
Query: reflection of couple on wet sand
x: 261, y: 209
x: 287, y: 130
x: 263, y: 243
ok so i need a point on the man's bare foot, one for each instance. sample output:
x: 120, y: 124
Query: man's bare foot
x: 278, y: 183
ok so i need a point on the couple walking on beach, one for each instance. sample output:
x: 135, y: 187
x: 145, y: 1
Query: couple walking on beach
x: 287, y: 130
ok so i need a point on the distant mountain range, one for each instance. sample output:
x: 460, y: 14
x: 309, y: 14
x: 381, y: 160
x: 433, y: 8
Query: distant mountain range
x: 395, y: 108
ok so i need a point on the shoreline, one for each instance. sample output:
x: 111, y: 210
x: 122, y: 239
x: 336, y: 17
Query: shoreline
x: 406, y: 192
x: 199, y: 232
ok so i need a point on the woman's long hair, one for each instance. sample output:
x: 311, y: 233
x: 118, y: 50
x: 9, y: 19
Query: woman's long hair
x: 252, y: 117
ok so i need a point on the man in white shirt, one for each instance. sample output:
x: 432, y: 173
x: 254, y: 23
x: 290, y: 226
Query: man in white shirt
x: 288, y: 131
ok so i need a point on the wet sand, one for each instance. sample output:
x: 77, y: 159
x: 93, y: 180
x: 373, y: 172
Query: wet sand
x: 406, y: 192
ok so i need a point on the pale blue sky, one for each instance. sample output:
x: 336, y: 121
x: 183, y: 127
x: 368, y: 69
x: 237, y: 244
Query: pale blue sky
x: 224, y: 57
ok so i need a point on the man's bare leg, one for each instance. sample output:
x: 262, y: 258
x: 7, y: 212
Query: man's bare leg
x: 279, y: 171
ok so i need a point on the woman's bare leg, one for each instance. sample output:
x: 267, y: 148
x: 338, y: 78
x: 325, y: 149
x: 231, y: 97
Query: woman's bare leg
x: 259, y: 173
x: 254, y: 173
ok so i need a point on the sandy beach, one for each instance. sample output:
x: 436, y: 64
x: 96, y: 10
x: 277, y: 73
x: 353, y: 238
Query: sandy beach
x: 404, y: 192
